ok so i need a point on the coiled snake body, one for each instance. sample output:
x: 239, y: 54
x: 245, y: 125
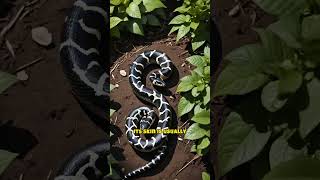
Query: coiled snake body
x: 143, y: 117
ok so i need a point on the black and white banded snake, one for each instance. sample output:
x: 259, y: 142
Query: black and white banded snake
x: 81, y: 57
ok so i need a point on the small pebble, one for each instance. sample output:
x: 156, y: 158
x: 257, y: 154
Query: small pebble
x: 22, y: 76
x: 116, y: 85
x: 123, y: 73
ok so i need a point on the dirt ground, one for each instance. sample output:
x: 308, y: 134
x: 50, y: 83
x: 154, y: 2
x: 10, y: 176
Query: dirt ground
x: 41, y: 112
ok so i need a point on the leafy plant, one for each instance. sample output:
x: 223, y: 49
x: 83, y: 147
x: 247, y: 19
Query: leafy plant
x: 132, y: 15
x: 112, y: 110
x: 278, y: 82
x: 195, y: 91
x: 192, y: 20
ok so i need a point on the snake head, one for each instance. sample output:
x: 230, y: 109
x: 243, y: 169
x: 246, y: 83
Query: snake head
x: 156, y: 80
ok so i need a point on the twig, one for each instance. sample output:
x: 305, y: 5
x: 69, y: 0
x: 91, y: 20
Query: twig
x: 10, y: 24
x: 49, y: 175
x: 31, y: 3
x: 185, y: 166
x: 29, y: 64
x: 25, y: 13
x: 184, y: 124
x: 4, y: 19
x: 10, y: 48
x: 21, y: 177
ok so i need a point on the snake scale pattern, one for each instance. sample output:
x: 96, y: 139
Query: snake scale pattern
x: 82, y: 56
x: 144, y: 117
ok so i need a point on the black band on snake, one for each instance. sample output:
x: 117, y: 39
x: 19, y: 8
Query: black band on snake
x: 143, y: 117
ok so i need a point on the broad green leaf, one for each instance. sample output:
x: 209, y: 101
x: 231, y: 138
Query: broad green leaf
x: 206, y: 98
x: 6, y: 80
x: 207, y: 70
x: 184, y: 106
x: 239, y: 80
x: 252, y: 54
x: 311, y: 28
x: 6, y: 158
x: 173, y: 29
x: 183, y: 30
x: 179, y: 19
x: 114, y: 21
x: 239, y: 142
x: 273, y: 46
x: 194, y: 92
x: 193, y: 148
x: 197, y: 109
x: 115, y: 2
x: 182, y: 9
x: 281, y: 152
x: 204, y: 143
x: 288, y: 28
x: 202, y: 117
x: 310, y: 117
x: 281, y: 7
x: 269, y: 97
x: 200, y: 87
x: 184, y: 86
x: 205, y: 176
x: 153, y: 20
x: 290, y: 82
x: 135, y: 27
x: 197, y: 44
x: 112, y: 111
x: 195, y: 131
x: 297, y: 169
x: 151, y: 5
x: 133, y: 10
x: 194, y: 25
x: 199, y: 71
x: 196, y: 60
x: 137, y: 1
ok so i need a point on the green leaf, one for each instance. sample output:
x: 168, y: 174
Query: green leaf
x: 252, y: 54
x: 115, y: 32
x: 202, y: 117
x: 199, y: 71
x: 193, y: 148
x: 204, y: 142
x: 281, y: 152
x: 6, y: 80
x: 184, y: 86
x: 173, y: 29
x: 179, y: 19
x: 239, y: 142
x: 207, y: 70
x: 194, y: 25
x: 112, y: 87
x: 197, y: 109
x: 207, y: 52
x: 195, y: 131
x: 290, y: 82
x: 197, y: 44
x: 182, y: 9
x: 281, y: 7
x: 137, y: 1
x: 133, y: 10
x: 6, y: 158
x: 196, y: 60
x: 111, y: 9
x: 311, y: 28
x: 288, y: 28
x: 153, y: 20
x: 151, y: 5
x: 205, y: 176
x: 269, y: 97
x: 114, y: 21
x: 194, y: 92
x: 297, y: 169
x: 183, y: 30
x: 184, y: 106
x: 206, y: 98
x: 239, y: 80
x: 115, y: 2
x: 135, y: 27
x: 310, y: 117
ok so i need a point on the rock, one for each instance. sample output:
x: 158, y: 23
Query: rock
x: 123, y: 73
x: 22, y: 76
x: 42, y: 36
